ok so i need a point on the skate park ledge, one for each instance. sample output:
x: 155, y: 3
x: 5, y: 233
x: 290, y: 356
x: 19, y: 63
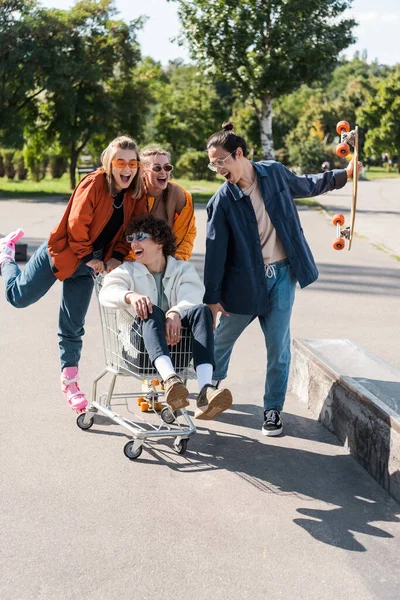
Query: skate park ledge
x: 356, y: 396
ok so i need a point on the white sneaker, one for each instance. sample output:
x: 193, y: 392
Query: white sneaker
x: 7, y: 245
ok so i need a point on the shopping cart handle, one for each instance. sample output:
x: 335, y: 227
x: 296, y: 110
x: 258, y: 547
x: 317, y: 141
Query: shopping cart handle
x: 94, y: 274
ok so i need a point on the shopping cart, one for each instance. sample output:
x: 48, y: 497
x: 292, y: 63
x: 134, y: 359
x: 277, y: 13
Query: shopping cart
x: 125, y: 355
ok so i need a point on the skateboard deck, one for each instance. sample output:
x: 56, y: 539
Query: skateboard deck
x: 347, y: 138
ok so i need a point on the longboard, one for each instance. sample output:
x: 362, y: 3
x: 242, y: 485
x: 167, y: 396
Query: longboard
x: 347, y: 138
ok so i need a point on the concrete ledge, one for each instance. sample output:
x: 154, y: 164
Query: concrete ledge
x: 356, y: 396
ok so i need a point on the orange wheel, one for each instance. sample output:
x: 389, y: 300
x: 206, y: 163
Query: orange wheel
x: 144, y: 406
x: 342, y: 126
x: 156, y: 382
x: 140, y: 400
x: 342, y: 149
x: 158, y: 406
x: 339, y: 244
x: 338, y: 218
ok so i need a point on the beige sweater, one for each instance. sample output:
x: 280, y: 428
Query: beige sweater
x: 182, y: 286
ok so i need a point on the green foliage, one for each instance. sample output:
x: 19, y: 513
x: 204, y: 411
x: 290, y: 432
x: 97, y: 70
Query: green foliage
x: 9, y: 169
x: 36, y: 156
x: 58, y: 164
x: 193, y: 165
x: 381, y: 116
x: 19, y: 163
x: 266, y: 49
x: 188, y: 109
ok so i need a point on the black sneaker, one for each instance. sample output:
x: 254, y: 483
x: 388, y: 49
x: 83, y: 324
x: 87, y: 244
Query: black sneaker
x: 272, y: 422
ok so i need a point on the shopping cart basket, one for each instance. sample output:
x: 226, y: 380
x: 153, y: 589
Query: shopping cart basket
x: 126, y: 355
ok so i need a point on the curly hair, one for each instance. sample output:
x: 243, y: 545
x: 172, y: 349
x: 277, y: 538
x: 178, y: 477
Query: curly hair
x: 159, y: 230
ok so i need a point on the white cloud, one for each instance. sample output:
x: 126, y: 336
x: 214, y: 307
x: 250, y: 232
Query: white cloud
x: 373, y: 17
x: 390, y: 18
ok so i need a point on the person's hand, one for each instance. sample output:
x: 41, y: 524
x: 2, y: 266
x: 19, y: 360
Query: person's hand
x: 173, y: 326
x: 96, y: 264
x: 142, y: 304
x: 350, y: 168
x: 112, y: 264
x: 215, y: 309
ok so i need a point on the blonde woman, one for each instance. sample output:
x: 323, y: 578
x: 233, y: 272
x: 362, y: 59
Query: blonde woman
x: 167, y: 200
x: 89, y: 237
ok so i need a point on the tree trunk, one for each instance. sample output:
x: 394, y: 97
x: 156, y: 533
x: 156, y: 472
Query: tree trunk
x: 265, y: 120
x: 72, y: 167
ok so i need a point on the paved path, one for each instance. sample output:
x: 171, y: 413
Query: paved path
x: 240, y: 516
x: 378, y: 211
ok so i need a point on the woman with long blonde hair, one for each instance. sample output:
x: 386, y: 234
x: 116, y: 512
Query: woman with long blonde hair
x: 88, y: 238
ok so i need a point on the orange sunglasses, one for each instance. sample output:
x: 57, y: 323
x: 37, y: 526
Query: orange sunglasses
x: 120, y: 163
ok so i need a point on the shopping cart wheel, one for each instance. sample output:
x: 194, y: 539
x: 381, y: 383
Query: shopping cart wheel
x: 129, y: 453
x: 180, y: 447
x: 80, y: 421
x: 167, y: 415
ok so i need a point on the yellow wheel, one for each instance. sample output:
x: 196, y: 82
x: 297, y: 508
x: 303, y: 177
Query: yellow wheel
x: 144, y: 407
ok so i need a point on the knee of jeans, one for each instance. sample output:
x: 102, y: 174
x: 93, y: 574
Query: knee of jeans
x: 156, y: 314
x: 203, y: 310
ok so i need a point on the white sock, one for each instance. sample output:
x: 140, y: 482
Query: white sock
x: 164, y: 366
x: 215, y: 382
x: 204, y: 375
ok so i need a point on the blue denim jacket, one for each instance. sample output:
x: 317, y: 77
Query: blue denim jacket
x: 234, y: 267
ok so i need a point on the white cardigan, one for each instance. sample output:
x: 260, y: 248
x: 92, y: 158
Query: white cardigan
x: 182, y: 286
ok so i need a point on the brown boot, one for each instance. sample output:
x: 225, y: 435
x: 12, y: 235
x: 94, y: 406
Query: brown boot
x: 212, y: 401
x: 175, y: 393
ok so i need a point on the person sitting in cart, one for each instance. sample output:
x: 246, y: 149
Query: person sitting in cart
x: 166, y: 294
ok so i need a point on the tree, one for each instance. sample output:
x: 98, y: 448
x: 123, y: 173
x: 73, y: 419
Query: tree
x: 93, y: 92
x: 381, y: 115
x: 266, y: 49
x: 28, y: 57
x: 189, y: 109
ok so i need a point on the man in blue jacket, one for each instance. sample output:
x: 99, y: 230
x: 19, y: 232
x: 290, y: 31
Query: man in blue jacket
x: 256, y: 252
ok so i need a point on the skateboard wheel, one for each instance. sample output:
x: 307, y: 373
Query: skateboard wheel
x: 342, y: 126
x: 339, y: 244
x: 342, y: 149
x: 140, y: 400
x: 338, y: 218
x: 156, y: 382
x: 144, y: 406
x: 158, y: 406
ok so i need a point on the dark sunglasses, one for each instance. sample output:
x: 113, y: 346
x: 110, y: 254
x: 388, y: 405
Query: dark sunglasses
x: 137, y: 237
x: 158, y: 168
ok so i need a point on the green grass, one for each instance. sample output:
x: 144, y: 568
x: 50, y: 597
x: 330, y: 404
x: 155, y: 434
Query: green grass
x: 200, y: 190
x: 31, y: 189
x: 381, y: 173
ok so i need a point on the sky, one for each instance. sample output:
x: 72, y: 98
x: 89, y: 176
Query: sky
x: 378, y: 30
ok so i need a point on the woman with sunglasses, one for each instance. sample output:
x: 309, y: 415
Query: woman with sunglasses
x: 88, y: 237
x: 167, y: 294
x: 167, y: 200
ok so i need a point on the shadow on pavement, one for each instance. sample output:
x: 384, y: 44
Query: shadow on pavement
x: 358, y: 280
x: 355, y: 500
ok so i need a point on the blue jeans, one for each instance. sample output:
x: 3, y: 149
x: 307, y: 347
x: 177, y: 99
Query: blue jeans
x: 276, y: 328
x: 28, y: 286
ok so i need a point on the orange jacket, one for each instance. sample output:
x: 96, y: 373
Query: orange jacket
x: 184, y: 226
x: 88, y: 211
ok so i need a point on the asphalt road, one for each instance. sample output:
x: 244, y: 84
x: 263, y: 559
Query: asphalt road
x: 239, y: 516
